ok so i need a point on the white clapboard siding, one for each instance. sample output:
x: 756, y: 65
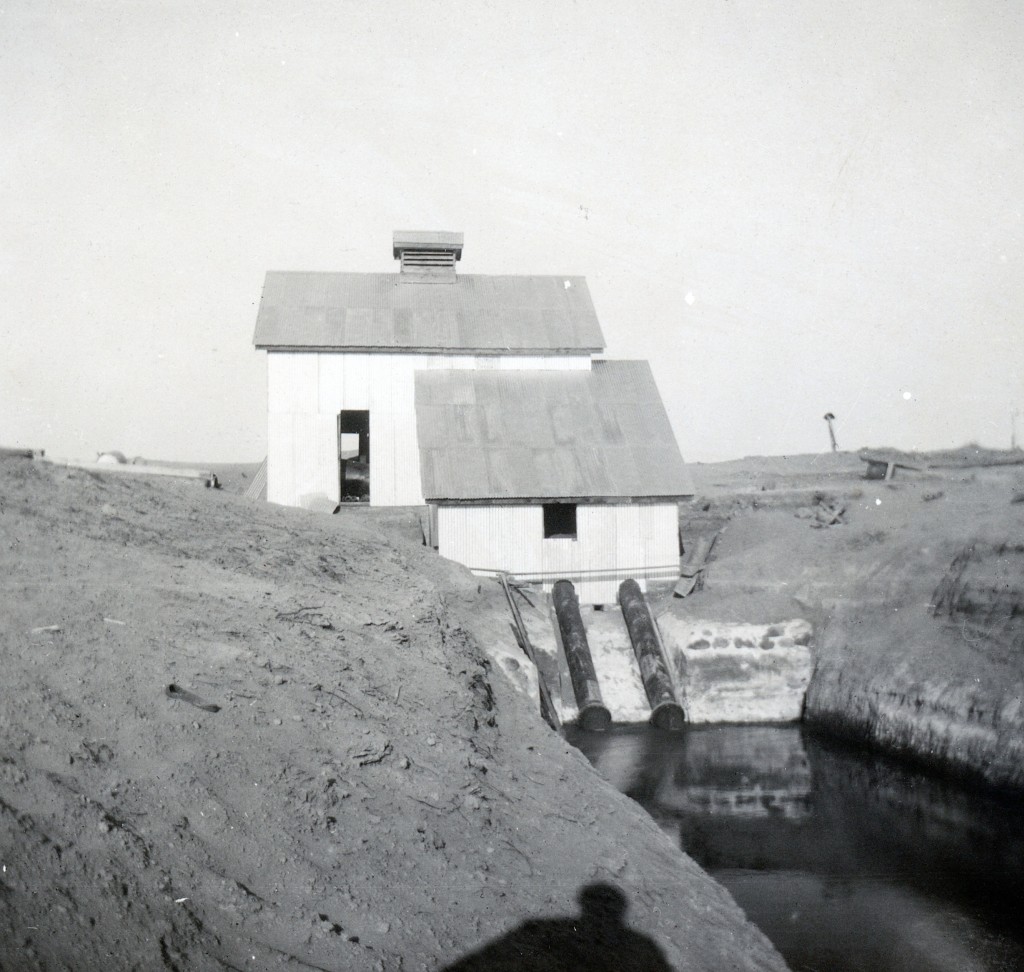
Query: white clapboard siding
x: 511, y: 538
x: 311, y: 388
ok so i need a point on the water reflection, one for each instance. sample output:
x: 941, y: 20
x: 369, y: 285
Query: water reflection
x: 846, y: 861
x: 746, y: 771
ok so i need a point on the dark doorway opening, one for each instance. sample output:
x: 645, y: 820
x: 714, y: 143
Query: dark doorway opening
x: 354, y: 455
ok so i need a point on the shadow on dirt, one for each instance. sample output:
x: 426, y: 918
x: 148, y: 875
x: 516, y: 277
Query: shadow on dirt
x: 598, y: 940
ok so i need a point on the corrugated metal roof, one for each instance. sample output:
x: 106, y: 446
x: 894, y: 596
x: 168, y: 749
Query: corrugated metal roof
x: 510, y: 435
x: 381, y: 311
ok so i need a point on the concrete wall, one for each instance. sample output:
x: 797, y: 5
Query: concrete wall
x: 307, y: 390
x: 613, y: 542
x: 738, y: 672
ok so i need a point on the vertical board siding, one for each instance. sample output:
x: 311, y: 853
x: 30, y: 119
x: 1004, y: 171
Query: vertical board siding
x: 405, y: 457
x: 381, y: 377
x: 659, y: 530
x: 332, y: 389
x: 561, y: 558
x: 302, y: 458
x: 490, y: 538
x: 628, y: 546
x: 323, y: 474
x: 280, y: 468
x: 312, y: 387
x: 599, y: 526
x: 292, y: 383
x: 511, y: 538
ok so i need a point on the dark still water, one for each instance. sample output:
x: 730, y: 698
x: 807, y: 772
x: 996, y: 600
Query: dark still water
x: 846, y: 861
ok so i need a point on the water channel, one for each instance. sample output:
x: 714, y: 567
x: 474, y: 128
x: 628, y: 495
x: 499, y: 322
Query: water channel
x: 848, y: 862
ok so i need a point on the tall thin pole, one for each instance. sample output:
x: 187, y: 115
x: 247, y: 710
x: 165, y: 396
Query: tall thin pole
x: 830, y: 418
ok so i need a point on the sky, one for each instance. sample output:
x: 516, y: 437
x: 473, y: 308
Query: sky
x: 789, y: 208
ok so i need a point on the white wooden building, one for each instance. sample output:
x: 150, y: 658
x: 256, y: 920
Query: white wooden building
x: 480, y: 395
x: 342, y: 349
x: 551, y: 475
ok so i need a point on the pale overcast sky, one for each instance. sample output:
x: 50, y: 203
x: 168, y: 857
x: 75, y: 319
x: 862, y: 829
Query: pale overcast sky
x: 788, y: 207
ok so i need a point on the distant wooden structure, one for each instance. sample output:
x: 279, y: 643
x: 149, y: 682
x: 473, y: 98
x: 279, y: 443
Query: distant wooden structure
x: 208, y: 477
x: 9, y: 452
x: 883, y: 463
x: 884, y: 467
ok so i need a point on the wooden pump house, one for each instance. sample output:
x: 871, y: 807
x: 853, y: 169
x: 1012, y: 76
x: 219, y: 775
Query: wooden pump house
x: 482, y: 397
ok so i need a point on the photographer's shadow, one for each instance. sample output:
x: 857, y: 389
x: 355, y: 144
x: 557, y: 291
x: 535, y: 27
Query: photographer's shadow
x: 597, y: 941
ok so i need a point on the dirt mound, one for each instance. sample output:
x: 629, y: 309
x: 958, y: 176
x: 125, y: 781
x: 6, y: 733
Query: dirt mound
x: 339, y: 778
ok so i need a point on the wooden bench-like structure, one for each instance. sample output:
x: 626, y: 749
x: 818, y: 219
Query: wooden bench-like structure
x: 884, y: 467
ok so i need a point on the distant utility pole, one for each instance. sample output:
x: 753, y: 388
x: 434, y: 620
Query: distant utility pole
x: 830, y: 418
x: 1013, y: 427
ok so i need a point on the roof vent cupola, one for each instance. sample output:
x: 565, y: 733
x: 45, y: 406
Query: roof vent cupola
x: 427, y: 256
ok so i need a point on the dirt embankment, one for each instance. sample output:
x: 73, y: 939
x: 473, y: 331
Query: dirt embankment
x: 917, y: 596
x: 936, y: 672
x: 341, y: 778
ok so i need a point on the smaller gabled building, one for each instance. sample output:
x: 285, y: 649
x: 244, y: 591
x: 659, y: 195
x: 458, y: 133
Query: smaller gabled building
x: 550, y: 475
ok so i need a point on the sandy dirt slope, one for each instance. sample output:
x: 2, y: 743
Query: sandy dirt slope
x: 370, y: 792
x: 917, y: 595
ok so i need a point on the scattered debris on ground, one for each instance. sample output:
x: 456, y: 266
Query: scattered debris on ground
x: 825, y: 512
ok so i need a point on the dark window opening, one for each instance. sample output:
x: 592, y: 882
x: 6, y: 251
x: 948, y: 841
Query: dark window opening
x: 559, y: 521
x: 354, y: 455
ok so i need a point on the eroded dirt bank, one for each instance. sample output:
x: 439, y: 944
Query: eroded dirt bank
x: 917, y: 596
x: 954, y: 698
x: 370, y: 793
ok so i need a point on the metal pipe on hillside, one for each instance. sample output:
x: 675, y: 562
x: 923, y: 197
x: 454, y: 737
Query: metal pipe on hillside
x: 594, y: 715
x: 666, y: 713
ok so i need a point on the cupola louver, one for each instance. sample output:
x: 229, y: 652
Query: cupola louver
x: 428, y: 257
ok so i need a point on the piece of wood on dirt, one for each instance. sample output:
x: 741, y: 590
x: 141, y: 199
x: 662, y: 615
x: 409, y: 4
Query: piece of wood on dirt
x: 884, y: 467
x: 547, y: 705
x: 177, y: 693
x: 141, y: 469
x: 827, y: 516
x: 691, y: 571
x: 6, y: 452
x: 319, y: 503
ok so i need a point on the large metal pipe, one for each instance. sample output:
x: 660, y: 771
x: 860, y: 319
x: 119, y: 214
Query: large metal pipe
x: 594, y: 714
x: 666, y: 713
